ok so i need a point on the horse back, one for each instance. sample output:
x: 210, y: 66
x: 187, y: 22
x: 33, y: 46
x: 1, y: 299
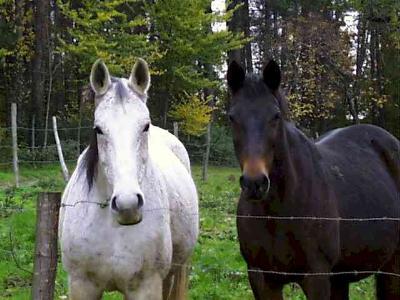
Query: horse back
x: 368, y: 147
x: 171, y: 159
x: 172, y: 143
x: 362, y: 164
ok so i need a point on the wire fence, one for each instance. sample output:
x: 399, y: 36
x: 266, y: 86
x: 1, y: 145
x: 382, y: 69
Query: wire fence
x: 12, y: 251
x: 196, y: 148
x: 103, y: 205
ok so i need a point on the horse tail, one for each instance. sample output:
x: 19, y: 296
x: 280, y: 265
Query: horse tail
x: 179, y: 288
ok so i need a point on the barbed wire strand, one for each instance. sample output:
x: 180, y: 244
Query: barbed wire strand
x: 267, y: 217
x: 251, y: 270
x: 48, y: 129
x: 75, y: 143
x: 38, y: 162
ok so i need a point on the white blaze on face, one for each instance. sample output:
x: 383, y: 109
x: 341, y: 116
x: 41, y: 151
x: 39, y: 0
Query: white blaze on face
x: 123, y: 146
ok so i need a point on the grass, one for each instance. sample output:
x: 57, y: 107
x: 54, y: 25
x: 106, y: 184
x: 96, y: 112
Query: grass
x: 218, y: 271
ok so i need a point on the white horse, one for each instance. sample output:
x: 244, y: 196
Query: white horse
x: 129, y: 215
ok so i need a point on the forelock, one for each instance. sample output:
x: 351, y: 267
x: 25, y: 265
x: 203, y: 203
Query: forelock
x: 254, y: 86
x: 120, y: 89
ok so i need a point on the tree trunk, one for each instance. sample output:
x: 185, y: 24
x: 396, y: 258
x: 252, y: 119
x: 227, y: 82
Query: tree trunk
x: 361, y: 55
x: 46, y: 121
x: 267, y: 45
x: 372, y: 55
x: 240, y: 22
x: 41, y: 26
x: 379, y: 73
x: 246, y: 30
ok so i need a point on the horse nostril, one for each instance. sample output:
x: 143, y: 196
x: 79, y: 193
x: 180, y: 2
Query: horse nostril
x: 140, y: 201
x: 114, y: 203
x: 247, y: 183
x: 256, y: 187
x: 242, y: 182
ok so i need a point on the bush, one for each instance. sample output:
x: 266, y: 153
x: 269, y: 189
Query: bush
x: 49, y: 153
x: 221, y: 151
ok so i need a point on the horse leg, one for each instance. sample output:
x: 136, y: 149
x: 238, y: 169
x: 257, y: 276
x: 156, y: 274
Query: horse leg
x: 387, y: 286
x: 150, y: 288
x: 167, y: 285
x: 83, y: 289
x: 316, y: 287
x: 264, y: 288
x: 339, y: 289
x: 175, y: 284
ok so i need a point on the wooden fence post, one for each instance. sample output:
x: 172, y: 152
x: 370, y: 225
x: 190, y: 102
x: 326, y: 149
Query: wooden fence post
x: 45, y: 265
x: 176, y: 129
x: 33, y: 128
x: 59, y: 150
x: 207, y: 153
x: 15, y: 142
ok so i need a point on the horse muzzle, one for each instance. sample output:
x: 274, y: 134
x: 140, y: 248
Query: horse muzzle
x: 255, y: 188
x: 127, y: 212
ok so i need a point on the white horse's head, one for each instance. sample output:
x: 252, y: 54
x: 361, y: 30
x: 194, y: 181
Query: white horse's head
x: 121, y: 125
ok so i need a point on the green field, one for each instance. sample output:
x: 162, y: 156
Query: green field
x: 218, y: 271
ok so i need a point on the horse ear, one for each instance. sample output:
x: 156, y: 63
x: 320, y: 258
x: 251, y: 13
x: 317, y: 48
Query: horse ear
x: 235, y: 76
x: 140, y: 77
x: 272, y: 75
x: 100, y: 78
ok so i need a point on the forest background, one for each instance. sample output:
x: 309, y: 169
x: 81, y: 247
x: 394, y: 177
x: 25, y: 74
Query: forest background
x: 340, y: 62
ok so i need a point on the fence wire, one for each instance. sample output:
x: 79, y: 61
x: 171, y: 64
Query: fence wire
x: 227, y: 215
x: 12, y: 252
x: 46, y: 129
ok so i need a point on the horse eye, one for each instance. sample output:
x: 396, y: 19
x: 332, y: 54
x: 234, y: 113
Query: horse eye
x: 231, y: 118
x: 98, y: 130
x: 146, y: 128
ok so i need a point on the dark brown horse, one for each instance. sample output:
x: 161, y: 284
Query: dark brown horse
x: 350, y: 173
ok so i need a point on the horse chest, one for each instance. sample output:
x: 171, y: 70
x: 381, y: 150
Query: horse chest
x: 98, y: 246
x: 270, y: 245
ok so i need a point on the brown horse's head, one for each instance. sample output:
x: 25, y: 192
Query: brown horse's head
x: 256, y: 114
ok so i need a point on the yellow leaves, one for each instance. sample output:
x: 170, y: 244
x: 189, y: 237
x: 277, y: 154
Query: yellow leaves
x: 193, y: 114
x: 4, y: 52
x: 370, y: 95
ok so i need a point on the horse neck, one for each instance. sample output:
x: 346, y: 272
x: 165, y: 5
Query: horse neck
x: 296, y: 163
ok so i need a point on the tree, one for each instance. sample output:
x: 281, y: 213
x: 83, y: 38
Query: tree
x: 39, y: 62
x: 240, y: 24
x: 107, y: 30
x: 187, y: 46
